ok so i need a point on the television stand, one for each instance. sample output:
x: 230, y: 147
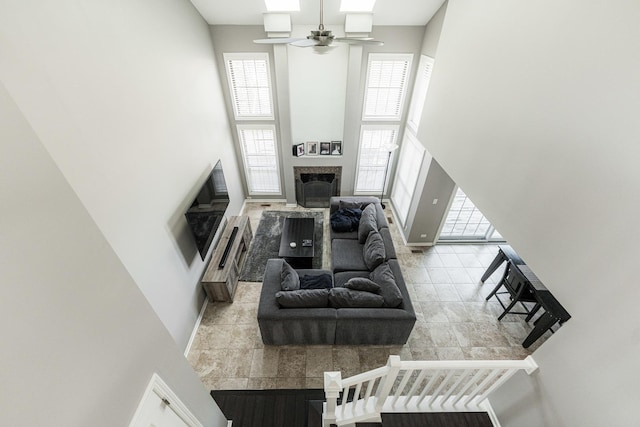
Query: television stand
x: 220, y: 279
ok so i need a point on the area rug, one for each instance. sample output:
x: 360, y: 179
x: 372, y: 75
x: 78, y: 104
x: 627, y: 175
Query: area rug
x: 266, y: 242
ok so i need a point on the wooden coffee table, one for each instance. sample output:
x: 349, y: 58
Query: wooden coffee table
x: 301, y: 232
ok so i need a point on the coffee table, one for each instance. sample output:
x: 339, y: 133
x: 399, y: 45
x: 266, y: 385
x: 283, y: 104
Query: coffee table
x: 301, y: 232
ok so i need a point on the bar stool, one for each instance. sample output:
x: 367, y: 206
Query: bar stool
x: 519, y: 290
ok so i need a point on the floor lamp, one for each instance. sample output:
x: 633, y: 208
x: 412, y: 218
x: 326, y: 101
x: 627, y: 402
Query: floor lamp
x: 389, y: 149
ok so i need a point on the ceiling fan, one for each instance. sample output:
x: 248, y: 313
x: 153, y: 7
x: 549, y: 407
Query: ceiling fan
x: 320, y: 37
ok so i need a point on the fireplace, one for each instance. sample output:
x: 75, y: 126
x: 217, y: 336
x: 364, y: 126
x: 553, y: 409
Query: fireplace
x: 315, y: 185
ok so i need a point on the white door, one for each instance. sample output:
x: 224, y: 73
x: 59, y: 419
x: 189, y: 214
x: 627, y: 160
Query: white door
x: 160, y: 407
x: 158, y: 413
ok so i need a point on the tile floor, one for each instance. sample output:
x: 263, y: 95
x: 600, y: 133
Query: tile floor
x: 454, y: 322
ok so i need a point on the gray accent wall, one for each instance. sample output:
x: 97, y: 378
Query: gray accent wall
x: 533, y: 111
x: 80, y: 341
x: 126, y: 98
x: 427, y: 217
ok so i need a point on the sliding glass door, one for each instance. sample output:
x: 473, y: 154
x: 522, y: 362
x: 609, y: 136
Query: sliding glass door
x: 465, y: 222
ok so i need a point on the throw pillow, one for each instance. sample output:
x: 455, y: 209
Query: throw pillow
x: 349, y: 204
x: 318, y: 281
x: 362, y: 284
x: 303, y: 298
x: 373, y: 251
x: 289, y: 279
x: 368, y: 223
x: 350, y: 298
x: 389, y: 290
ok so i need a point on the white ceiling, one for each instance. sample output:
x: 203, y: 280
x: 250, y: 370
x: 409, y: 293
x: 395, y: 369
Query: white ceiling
x: 249, y: 12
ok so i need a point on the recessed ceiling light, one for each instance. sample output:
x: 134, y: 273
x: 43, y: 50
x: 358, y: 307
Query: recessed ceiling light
x: 357, y: 5
x: 282, y: 5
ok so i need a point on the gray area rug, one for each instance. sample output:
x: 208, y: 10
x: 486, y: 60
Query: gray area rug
x: 266, y: 242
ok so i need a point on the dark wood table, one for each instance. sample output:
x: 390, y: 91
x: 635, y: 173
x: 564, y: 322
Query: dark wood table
x: 505, y: 253
x: 300, y: 231
x: 554, y: 312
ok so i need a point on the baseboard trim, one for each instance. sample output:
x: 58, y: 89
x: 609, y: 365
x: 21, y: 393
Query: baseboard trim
x: 420, y: 244
x: 248, y: 200
x: 195, y: 328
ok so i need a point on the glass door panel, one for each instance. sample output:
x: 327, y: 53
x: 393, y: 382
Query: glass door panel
x: 465, y: 222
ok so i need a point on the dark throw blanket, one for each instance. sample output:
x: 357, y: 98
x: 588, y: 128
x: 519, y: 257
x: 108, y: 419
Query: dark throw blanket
x: 345, y: 220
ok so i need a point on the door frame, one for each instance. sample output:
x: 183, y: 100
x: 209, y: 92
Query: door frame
x: 161, y: 389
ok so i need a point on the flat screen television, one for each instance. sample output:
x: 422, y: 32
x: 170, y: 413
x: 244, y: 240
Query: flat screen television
x: 206, y: 212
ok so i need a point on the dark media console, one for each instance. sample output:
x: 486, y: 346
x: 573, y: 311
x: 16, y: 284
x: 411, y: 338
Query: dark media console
x: 220, y: 279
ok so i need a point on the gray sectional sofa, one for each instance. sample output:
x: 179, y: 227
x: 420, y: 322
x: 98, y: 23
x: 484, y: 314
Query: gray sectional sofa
x: 343, y: 325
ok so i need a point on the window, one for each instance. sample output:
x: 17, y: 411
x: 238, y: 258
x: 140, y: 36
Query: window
x: 404, y: 184
x: 259, y: 155
x: 387, y: 76
x: 419, y: 93
x: 374, y: 157
x: 250, y: 85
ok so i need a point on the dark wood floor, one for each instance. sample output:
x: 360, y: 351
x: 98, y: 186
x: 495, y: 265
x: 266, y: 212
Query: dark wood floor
x: 266, y: 408
x: 303, y: 408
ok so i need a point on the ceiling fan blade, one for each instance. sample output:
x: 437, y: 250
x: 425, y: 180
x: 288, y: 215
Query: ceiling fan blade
x: 305, y: 43
x: 359, y: 40
x: 278, y: 40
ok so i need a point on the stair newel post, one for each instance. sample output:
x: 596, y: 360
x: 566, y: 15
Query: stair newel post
x: 393, y: 365
x: 332, y: 388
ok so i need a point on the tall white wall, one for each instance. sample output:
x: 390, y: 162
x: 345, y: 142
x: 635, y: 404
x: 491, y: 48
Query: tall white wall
x: 533, y: 110
x: 126, y: 98
x: 79, y: 340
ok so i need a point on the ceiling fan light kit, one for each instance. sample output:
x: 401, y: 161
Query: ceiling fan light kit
x: 319, y: 37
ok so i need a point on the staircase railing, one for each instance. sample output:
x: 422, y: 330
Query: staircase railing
x: 416, y: 386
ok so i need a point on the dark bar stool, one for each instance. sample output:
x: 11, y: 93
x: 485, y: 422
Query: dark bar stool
x: 519, y: 290
x: 505, y: 253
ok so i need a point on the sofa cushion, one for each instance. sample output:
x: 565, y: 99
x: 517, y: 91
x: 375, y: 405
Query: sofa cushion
x: 383, y: 276
x: 363, y: 284
x: 373, y: 251
x: 289, y: 279
x: 303, y: 298
x: 351, y: 204
x: 341, y: 278
x: 388, y: 243
x: 350, y: 298
x: 316, y: 281
x: 368, y: 223
x: 346, y: 255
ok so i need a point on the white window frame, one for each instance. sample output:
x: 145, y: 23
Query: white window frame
x: 420, y: 90
x: 247, y: 174
x: 407, y: 58
x: 252, y: 56
x: 406, y: 178
x: 363, y: 130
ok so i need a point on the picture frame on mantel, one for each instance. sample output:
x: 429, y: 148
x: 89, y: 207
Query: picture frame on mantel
x: 325, y: 148
x: 298, y: 149
x: 312, y: 148
x: 336, y: 148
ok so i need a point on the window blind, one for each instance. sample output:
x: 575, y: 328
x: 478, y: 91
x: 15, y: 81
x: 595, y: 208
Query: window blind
x: 387, y: 76
x: 407, y: 171
x: 420, y: 92
x: 259, y: 155
x: 373, y: 158
x: 250, y: 85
